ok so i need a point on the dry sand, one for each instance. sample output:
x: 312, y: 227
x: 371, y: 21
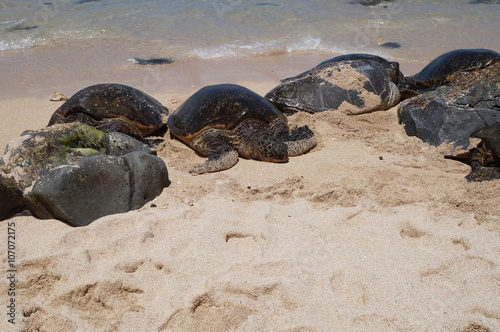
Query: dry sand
x: 372, y: 230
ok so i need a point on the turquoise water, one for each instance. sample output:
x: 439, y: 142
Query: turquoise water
x: 183, y: 29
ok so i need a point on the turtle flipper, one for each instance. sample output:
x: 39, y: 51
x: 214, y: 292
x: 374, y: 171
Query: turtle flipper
x: 118, y: 124
x: 483, y: 174
x: 300, y: 141
x: 217, y: 161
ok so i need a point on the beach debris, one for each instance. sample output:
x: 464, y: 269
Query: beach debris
x: 484, y: 159
x: 57, y: 96
x: 76, y: 173
x: 151, y: 61
x: 369, y: 3
x: 450, y: 113
x: 484, y: 2
x: 354, y: 83
x: 114, y: 107
x: 391, y: 45
x: 80, y: 2
x: 25, y: 28
x: 227, y: 120
x: 440, y: 70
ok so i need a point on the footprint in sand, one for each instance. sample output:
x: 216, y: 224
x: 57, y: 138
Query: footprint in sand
x: 133, y: 266
x: 39, y: 277
x: 209, y: 312
x: 37, y: 318
x: 458, y: 269
x: 229, y: 307
x: 245, y: 242
x: 101, y: 301
x: 461, y: 243
x: 410, y: 232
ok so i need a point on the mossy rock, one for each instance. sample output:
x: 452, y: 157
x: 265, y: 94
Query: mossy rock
x: 77, y: 173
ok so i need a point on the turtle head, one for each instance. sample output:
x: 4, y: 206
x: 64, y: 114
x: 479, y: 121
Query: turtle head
x: 271, y: 148
x: 392, y: 69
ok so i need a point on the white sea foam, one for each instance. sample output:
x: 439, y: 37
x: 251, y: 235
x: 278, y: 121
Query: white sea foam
x: 11, y: 24
x: 234, y: 49
x: 305, y: 44
x: 274, y: 47
x: 16, y: 44
x: 315, y: 44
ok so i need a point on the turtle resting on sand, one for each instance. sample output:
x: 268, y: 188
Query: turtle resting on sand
x: 485, y: 158
x: 354, y: 85
x: 442, y: 68
x: 113, y: 107
x: 227, y: 120
x: 391, y: 67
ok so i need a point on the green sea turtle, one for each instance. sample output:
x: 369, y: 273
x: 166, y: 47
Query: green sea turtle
x: 442, y: 68
x: 355, y: 85
x: 226, y: 120
x: 485, y: 158
x: 391, y: 67
x: 113, y: 107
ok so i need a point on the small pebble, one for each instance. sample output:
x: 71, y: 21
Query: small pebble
x: 57, y: 96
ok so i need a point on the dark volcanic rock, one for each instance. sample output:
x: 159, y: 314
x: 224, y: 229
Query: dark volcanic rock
x: 77, y: 173
x: 449, y: 114
x: 11, y: 197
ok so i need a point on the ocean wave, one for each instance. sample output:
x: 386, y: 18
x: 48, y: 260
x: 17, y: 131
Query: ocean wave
x: 16, y: 44
x: 314, y: 44
x: 12, y: 24
x: 274, y: 47
x: 235, y: 49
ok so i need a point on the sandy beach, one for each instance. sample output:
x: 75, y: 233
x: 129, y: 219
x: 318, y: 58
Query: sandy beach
x: 371, y: 230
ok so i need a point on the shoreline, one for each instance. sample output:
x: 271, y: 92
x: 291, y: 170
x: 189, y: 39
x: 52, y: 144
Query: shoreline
x: 40, y: 70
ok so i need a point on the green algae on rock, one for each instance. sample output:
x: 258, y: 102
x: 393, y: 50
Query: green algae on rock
x: 77, y: 173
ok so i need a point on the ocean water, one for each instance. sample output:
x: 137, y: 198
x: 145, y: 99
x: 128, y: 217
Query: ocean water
x: 214, y: 29
x: 65, y: 45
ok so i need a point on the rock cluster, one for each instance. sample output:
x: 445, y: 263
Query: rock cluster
x: 451, y: 113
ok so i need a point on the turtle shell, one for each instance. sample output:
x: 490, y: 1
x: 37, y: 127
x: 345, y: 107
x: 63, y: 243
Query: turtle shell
x: 391, y: 67
x: 221, y: 106
x: 441, y: 68
x: 356, y: 86
x: 97, y: 104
